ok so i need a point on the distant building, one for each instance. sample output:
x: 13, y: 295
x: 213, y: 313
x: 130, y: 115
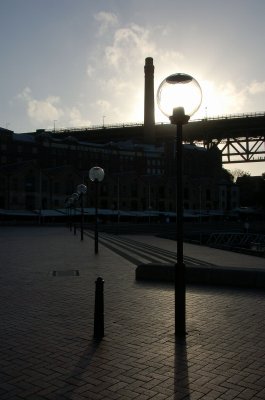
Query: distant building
x: 38, y: 170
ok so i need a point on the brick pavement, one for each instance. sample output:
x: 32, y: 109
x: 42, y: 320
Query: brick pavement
x: 47, y: 349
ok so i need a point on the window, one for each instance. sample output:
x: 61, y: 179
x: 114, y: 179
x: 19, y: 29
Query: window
x: 134, y: 190
x: 14, y: 184
x: 134, y: 205
x: 56, y: 187
x: 14, y: 200
x: 186, y: 193
x: 30, y: 184
x: 161, y: 191
x: 44, y: 185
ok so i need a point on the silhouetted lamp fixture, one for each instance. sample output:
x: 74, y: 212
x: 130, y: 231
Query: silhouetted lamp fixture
x: 96, y: 174
x: 179, y: 96
x: 81, y: 190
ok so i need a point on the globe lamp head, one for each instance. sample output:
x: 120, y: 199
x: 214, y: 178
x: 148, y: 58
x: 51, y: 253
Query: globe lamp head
x: 96, y: 174
x: 179, y: 91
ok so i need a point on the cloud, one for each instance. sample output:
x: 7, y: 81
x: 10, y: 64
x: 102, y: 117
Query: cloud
x: 118, y: 86
x: 256, y: 87
x: 41, y: 110
x: 44, y: 110
x: 50, y: 109
x: 119, y: 79
x: 76, y: 118
x: 221, y: 99
x: 90, y: 70
x: 121, y: 64
x: 130, y: 46
x: 103, y: 104
x: 25, y: 94
x: 106, y: 20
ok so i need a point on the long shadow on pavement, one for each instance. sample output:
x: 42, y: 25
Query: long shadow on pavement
x: 75, y: 377
x: 181, y: 373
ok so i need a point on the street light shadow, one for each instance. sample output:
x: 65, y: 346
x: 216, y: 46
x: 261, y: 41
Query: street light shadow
x: 181, y: 373
x: 81, y: 368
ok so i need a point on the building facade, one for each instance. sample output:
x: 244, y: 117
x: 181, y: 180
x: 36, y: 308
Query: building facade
x: 39, y: 170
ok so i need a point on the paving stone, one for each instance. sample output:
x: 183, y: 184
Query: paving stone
x: 47, y: 350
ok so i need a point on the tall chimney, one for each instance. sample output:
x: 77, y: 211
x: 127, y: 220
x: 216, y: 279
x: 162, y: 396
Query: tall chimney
x: 149, y: 107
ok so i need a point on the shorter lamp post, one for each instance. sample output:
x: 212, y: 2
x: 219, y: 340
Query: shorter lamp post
x: 73, y: 199
x: 96, y: 174
x: 179, y: 96
x: 68, y: 204
x: 81, y: 190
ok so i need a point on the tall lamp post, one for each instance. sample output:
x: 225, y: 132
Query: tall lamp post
x: 81, y: 190
x: 96, y: 174
x: 179, y: 96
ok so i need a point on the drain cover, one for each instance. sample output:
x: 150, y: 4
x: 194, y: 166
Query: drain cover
x: 69, y: 272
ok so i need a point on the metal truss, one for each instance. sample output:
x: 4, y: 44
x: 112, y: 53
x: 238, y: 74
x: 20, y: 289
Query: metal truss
x: 240, y: 149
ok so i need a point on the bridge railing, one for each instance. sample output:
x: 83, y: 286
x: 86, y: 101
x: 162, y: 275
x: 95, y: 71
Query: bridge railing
x: 232, y: 116
x: 135, y: 124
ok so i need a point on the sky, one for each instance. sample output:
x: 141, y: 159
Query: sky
x: 75, y: 63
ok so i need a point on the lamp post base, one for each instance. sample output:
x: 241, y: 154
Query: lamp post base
x: 180, y: 300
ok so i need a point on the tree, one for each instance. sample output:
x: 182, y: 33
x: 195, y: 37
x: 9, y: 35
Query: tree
x: 238, y: 173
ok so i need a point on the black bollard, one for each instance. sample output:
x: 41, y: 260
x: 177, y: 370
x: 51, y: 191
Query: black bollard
x: 99, y: 309
x: 74, y: 229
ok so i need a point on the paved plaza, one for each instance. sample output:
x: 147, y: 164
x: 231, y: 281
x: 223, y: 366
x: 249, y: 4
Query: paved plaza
x: 47, y: 350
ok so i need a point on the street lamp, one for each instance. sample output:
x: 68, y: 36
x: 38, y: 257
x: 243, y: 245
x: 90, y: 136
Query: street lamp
x: 81, y: 190
x: 179, y: 96
x: 96, y: 174
x: 68, y: 205
x: 73, y: 199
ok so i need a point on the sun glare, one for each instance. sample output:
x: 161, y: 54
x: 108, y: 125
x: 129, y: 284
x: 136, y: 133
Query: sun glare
x: 216, y: 101
x: 220, y: 100
x: 137, y: 108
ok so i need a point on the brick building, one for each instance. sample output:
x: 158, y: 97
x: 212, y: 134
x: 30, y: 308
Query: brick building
x: 38, y: 170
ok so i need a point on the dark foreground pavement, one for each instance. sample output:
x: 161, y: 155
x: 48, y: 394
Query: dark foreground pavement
x: 47, y: 349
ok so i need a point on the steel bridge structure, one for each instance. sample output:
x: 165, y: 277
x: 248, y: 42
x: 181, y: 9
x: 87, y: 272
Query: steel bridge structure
x: 240, y: 137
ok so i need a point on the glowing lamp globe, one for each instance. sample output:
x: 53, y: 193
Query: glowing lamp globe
x: 179, y: 91
x: 96, y: 174
x: 81, y: 189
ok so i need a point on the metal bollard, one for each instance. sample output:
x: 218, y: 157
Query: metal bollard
x: 74, y: 229
x: 99, y: 309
